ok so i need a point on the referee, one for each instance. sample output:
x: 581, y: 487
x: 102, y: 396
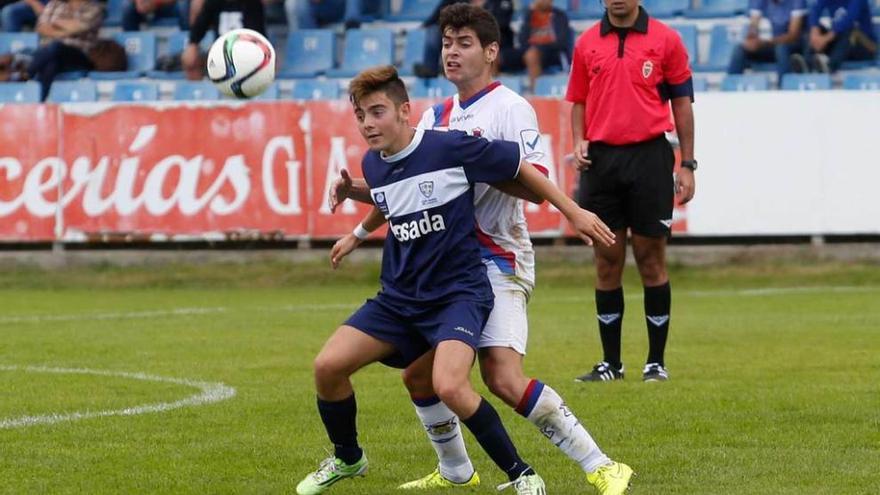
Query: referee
x: 625, y: 72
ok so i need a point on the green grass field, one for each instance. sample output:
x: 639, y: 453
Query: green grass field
x: 775, y: 381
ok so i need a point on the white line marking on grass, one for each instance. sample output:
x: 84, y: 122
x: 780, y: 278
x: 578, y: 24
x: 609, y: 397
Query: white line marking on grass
x: 210, y: 392
x: 766, y: 291
x: 118, y: 315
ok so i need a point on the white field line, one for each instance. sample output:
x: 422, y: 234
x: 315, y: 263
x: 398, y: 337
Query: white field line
x: 768, y: 291
x: 209, y: 393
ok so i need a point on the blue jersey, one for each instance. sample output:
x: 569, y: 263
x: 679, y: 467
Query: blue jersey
x: 425, y: 191
x: 779, y: 12
x: 845, y: 15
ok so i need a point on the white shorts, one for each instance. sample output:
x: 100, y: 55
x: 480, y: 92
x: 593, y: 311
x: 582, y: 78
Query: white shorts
x: 508, y: 324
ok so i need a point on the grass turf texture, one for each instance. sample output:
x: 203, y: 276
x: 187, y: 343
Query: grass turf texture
x: 771, y: 391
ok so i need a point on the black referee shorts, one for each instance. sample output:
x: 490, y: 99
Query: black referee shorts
x: 631, y: 186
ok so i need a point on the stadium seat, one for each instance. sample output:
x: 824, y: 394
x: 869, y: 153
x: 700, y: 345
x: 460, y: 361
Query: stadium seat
x: 806, y: 82
x: 666, y: 8
x: 308, y: 89
x: 195, y: 91
x: 515, y: 83
x: 717, y: 8
x: 745, y: 82
x: 554, y: 86
x: 413, y: 51
x: 688, y: 34
x: 271, y: 93
x: 135, y: 91
x: 418, y: 89
x: 113, y: 17
x: 722, y: 40
x: 365, y: 48
x: 309, y: 52
x: 869, y: 82
x: 16, y: 42
x: 178, y: 40
x: 701, y: 84
x: 72, y: 75
x: 140, y: 46
x: 413, y: 10
x: 587, y: 9
x: 73, y: 91
x: 559, y: 4
x: 440, y: 87
x: 20, y: 92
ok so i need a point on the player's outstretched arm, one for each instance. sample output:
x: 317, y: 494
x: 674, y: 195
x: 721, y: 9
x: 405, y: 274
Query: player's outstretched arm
x: 346, y: 187
x: 351, y: 241
x: 588, y: 226
x: 517, y: 190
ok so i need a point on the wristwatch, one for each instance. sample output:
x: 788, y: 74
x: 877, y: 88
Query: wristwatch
x: 691, y: 164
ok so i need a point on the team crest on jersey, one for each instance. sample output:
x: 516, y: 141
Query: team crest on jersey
x: 427, y: 188
x: 379, y: 199
x: 529, y: 138
x: 647, y: 68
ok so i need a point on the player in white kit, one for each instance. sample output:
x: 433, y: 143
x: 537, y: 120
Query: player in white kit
x: 490, y: 110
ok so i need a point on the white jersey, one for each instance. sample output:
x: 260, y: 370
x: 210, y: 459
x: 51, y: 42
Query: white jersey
x: 497, y: 112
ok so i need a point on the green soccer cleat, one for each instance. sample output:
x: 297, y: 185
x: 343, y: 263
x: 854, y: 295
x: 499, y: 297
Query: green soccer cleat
x: 329, y: 472
x: 531, y: 484
x: 611, y: 479
x: 436, y: 480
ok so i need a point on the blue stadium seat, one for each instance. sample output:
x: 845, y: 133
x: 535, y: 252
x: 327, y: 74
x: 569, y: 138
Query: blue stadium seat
x: 717, y: 8
x: 413, y: 10
x: 309, y: 52
x: 140, y: 46
x: 365, y: 48
x: 135, y: 91
x: 864, y: 82
x: 413, y: 52
x: 114, y: 13
x: 72, y: 75
x: 688, y: 34
x: 418, y: 89
x: 514, y: 83
x: 20, y: 92
x: 309, y: 89
x: 745, y: 82
x: 666, y: 8
x: 552, y: 85
x: 806, y: 82
x: 73, y: 91
x: 587, y: 9
x: 178, y: 40
x: 195, y: 91
x: 559, y: 4
x: 16, y: 42
x: 269, y: 94
x: 701, y: 85
x: 722, y: 40
x: 440, y: 87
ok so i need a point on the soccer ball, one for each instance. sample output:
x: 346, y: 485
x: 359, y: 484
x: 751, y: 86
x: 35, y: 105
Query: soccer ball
x: 241, y: 63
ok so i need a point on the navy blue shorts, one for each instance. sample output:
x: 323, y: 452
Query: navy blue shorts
x: 414, y: 331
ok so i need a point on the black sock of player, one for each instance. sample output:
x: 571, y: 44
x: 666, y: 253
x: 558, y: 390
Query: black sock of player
x: 339, y: 419
x: 658, y: 301
x: 486, y: 426
x: 609, y: 311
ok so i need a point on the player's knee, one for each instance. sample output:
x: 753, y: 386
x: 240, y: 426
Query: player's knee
x: 505, y: 386
x: 327, y: 368
x: 451, y: 391
x: 418, y: 382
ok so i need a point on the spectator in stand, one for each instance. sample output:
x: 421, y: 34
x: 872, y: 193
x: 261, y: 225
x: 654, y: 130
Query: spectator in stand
x: 851, y: 36
x: 18, y: 14
x: 784, y: 48
x: 544, y: 41
x: 502, y: 11
x: 137, y: 11
x: 312, y: 14
x: 221, y: 16
x: 71, y: 26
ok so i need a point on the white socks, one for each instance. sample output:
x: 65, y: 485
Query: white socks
x: 442, y: 427
x: 545, y: 409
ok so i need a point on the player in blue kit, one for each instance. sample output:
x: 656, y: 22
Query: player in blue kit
x: 435, y: 292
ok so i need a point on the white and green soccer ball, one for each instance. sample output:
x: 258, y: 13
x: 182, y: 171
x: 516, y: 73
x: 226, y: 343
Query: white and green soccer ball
x: 241, y: 63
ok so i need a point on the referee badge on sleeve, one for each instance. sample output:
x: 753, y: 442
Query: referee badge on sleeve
x: 647, y: 68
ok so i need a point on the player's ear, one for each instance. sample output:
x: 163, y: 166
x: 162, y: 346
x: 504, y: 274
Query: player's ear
x: 491, y: 52
x: 403, y: 111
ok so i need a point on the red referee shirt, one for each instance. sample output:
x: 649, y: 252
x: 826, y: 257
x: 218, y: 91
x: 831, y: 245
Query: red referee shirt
x: 626, y: 78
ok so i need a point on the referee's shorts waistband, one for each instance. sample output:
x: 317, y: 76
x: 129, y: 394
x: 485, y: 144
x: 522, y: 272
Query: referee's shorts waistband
x: 603, y: 144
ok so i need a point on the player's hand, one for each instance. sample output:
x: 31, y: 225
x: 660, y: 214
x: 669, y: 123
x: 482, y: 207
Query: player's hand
x: 590, y: 228
x: 342, y: 248
x: 581, y: 157
x: 684, y: 185
x: 339, y: 190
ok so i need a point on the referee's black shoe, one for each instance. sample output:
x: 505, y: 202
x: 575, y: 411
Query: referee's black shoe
x: 602, y: 372
x: 655, y: 372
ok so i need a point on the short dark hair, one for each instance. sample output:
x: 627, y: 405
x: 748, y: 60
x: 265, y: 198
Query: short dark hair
x: 464, y: 15
x: 382, y: 78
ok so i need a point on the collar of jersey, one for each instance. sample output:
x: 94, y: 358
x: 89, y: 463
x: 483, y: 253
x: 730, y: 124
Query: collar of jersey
x: 405, y: 152
x: 641, y: 24
x: 481, y: 93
